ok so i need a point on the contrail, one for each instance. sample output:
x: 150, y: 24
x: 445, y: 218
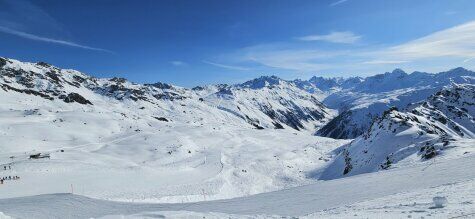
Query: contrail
x: 49, y: 40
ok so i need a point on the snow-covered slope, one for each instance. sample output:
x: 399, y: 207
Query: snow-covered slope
x: 113, y: 139
x: 363, y: 101
x: 271, y: 102
x: 397, y: 193
x: 266, y: 102
x: 442, y: 126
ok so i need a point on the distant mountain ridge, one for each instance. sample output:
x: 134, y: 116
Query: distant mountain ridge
x: 266, y: 102
x: 361, y: 103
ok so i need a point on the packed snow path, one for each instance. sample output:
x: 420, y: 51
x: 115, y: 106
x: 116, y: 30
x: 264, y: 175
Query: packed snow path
x: 292, y: 202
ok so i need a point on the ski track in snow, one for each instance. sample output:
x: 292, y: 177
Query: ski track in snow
x: 303, y: 200
x: 234, y: 163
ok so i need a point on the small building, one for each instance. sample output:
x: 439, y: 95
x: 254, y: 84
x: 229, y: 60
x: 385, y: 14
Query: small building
x: 39, y: 156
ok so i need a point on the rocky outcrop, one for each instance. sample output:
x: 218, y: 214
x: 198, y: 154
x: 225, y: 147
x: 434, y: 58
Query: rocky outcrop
x: 75, y: 97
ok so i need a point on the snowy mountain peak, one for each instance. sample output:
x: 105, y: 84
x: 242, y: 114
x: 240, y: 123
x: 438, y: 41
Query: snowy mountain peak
x: 459, y: 69
x: 44, y: 64
x: 261, y: 82
x: 398, y: 73
x: 161, y: 85
x: 118, y: 80
x: 326, y: 84
x: 366, y: 100
x: 457, y: 72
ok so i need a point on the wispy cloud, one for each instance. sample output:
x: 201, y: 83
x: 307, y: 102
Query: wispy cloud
x: 436, y: 51
x: 334, y: 37
x: 456, y: 41
x: 231, y: 67
x: 178, y: 63
x: 378, y: 62
x: 337, y: 2
x: 469, y: 59
x: 25, y: 16
x: 279, y: 57
x: 49, y: 40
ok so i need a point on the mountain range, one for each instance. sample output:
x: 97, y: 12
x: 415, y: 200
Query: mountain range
x: 224, y: 141
x: 266, y: 102
x: 331, y: 107
x: 368, y: 98
x: 443, y: 124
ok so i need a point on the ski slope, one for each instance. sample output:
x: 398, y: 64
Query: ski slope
x: 116, y: 140
x: 163, y: 162
x: 298, y: 201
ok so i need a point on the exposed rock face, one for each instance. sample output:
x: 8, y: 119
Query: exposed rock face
x: 75, y: 97
x: 161, y: 119
x: 3, y: 62
x: 338, y: 127
x: 6, y: 87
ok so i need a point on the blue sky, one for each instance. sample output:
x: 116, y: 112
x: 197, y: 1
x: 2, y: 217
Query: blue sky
x: 190, y: 43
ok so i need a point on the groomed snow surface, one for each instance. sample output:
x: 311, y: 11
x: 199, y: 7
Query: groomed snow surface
x: 167, y: 162
x: 398, y: 193
x: 416, y: 204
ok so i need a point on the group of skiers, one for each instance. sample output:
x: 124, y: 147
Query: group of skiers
x: 3, y: 179
x: 8, y: 178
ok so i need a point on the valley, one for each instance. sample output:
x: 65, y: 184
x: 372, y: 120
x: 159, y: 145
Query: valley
x: 110, y: 147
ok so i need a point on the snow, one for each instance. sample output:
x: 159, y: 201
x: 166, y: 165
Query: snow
x: 415, y: 204
x: 437, y: 127
x: 367, y: 99
x: 390, y: 188
x: 182, y: 161
x: 158, y: 150
x: 3, y: 216
x: 117, y: 149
